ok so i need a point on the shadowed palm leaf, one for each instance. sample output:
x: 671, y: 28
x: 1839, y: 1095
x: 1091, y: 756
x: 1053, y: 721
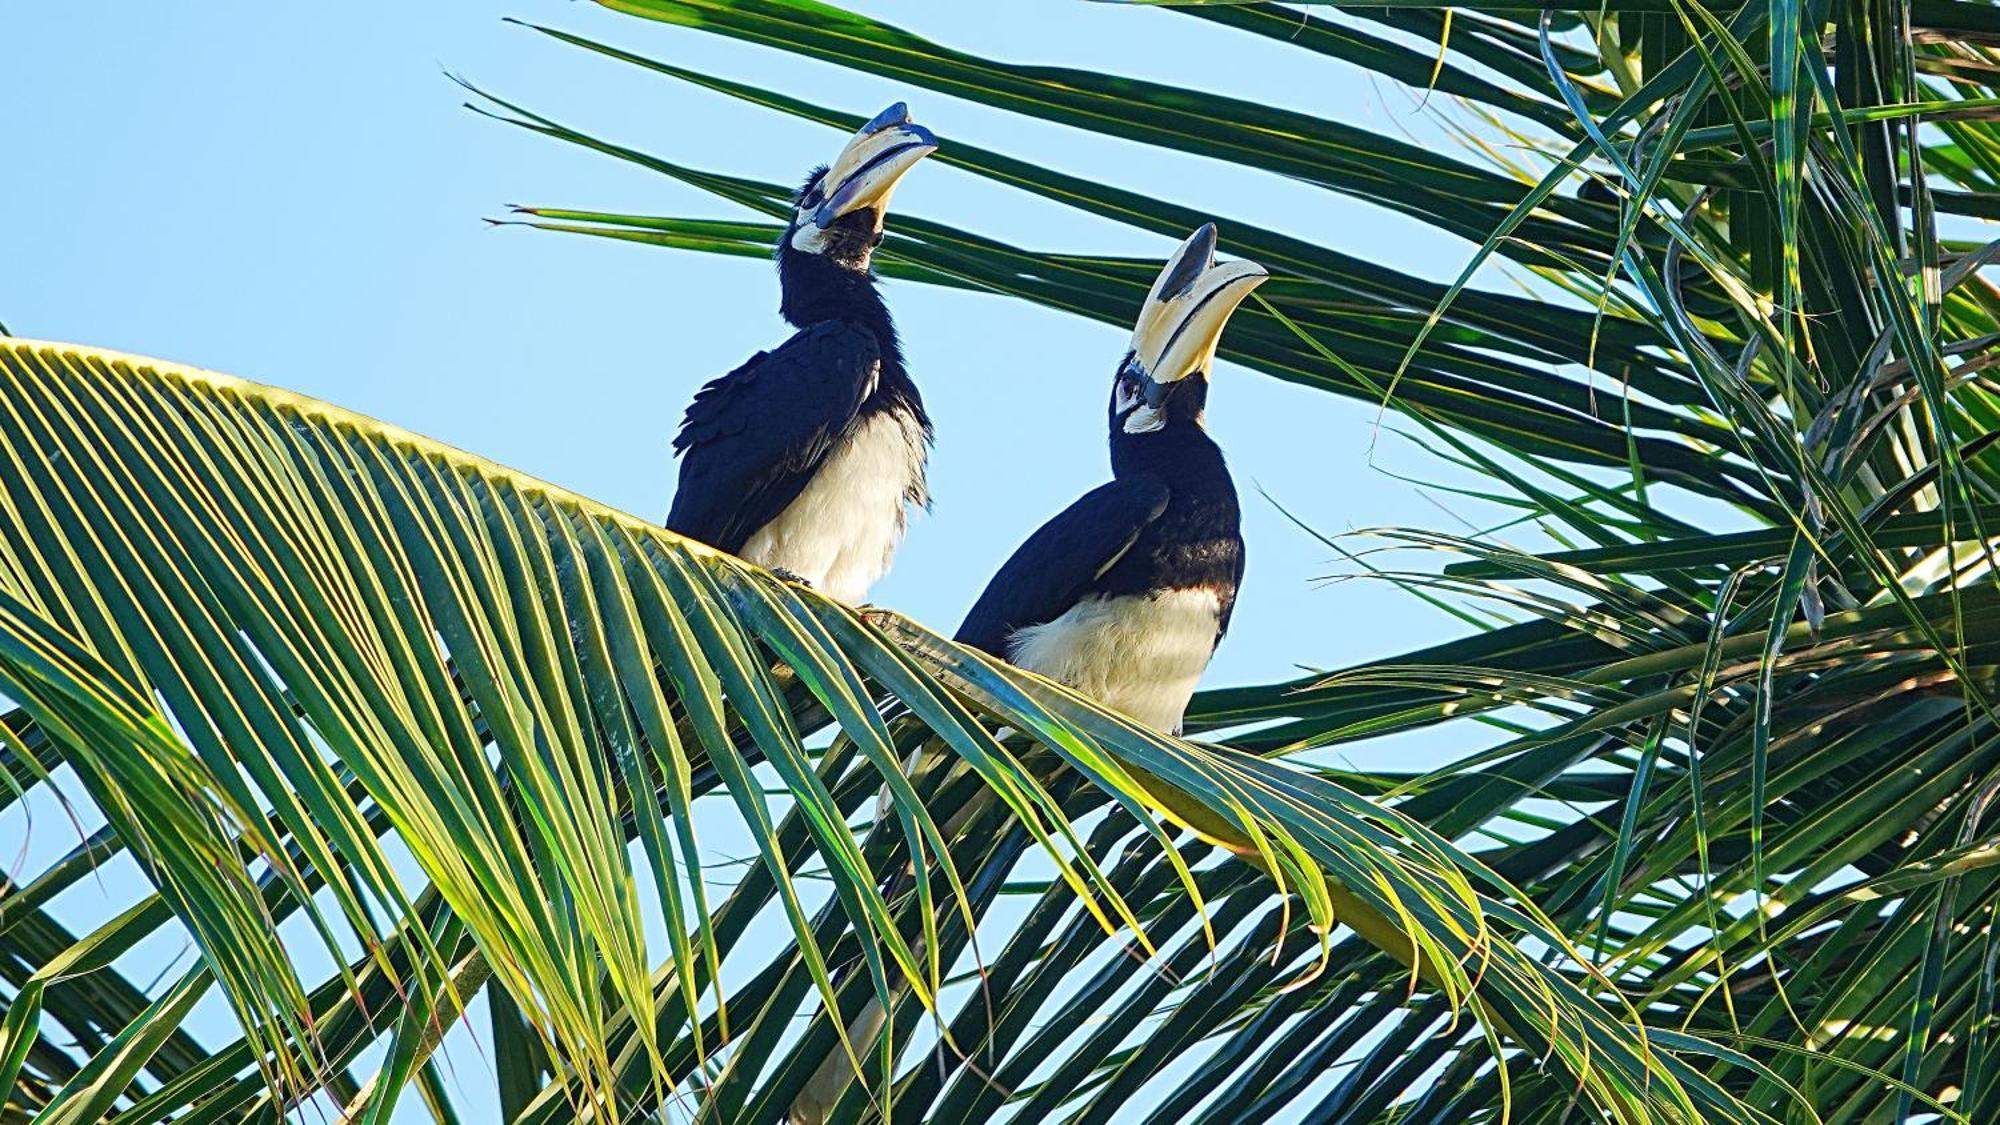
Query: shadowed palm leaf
x: 1751, y: 769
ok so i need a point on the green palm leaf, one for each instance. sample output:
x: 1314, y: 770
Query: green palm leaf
x: 1714, y: 835
x: 282, y: 645
x: 1744, y: 752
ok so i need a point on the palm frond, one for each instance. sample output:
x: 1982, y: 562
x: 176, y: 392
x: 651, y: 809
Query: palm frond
x: 1739, y: 752
x: 281, y: 646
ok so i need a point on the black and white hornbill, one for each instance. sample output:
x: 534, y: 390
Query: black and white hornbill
x: 1125, y: 595
x: 804, y: 459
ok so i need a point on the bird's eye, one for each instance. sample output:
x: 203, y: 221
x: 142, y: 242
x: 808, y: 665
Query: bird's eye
x: 1128, y: 392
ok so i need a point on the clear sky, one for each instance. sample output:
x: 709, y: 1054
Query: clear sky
x: 293, y: 194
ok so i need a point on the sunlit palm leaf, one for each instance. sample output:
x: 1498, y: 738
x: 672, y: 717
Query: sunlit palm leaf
x: 1756, y: 768
x: 281, y: 645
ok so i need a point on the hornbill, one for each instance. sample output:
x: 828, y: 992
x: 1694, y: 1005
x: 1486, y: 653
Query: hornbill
x: 804, y: 459
x: 1126, y: 593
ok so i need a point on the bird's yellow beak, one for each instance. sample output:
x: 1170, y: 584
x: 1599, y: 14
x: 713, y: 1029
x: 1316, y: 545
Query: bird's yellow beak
x: 866, y: 171
x: 1182, y: 320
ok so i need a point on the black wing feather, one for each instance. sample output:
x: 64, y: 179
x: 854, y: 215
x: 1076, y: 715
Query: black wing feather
x: 753, y: 438
x: 1059, y: 562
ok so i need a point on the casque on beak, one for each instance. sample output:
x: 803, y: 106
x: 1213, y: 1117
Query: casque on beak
x: 866, y: 170
x: 1181, y: 323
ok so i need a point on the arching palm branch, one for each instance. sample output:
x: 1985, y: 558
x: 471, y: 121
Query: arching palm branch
x: 1751, y: 769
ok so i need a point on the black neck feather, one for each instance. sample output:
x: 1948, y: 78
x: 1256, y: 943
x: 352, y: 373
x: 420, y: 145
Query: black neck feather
x: 816, y: 288
x: 1183, y: 456
x: 1197, y: 543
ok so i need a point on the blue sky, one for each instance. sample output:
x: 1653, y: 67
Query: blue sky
x: 294, y: 194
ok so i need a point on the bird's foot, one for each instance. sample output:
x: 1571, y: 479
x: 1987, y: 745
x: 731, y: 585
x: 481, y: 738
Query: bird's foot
x: 784, y: 575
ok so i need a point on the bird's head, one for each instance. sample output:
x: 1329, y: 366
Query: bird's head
x: 838, y: 213
x: 1165, y: 375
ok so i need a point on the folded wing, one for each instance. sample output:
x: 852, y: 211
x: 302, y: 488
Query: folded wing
x: 1059, y: 563
x: 753, y: 438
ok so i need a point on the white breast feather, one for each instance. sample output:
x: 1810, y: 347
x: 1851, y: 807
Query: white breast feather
x: 843, y: 530
x: 1139, y: 655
